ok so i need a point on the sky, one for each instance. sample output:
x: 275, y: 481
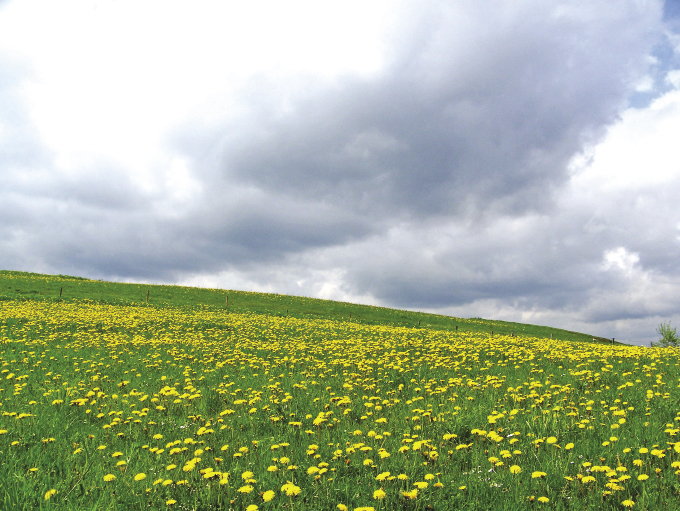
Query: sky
x: 515, y: 160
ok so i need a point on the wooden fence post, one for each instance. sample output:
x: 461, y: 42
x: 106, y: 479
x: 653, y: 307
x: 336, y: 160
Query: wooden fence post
x: 60, y: 290
x: 147, y: 296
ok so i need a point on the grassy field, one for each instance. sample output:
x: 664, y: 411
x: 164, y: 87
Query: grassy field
x: 108, y: 401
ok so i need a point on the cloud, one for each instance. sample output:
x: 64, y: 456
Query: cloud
x: 604, y: 258
x: 481, y: 109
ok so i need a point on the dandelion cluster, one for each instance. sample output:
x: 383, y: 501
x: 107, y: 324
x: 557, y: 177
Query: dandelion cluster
x: 141, y: 406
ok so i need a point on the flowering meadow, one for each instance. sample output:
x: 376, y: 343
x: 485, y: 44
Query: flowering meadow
x: 106, y: 406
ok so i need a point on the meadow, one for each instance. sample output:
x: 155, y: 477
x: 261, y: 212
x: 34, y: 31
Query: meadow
x: 108, y: 401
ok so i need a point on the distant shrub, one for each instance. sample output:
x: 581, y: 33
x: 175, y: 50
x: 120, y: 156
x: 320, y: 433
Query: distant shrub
x: 669, y: 336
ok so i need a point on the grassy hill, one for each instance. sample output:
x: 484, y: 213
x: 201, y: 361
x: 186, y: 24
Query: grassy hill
x: 270, y: 402
x: 34, y: 286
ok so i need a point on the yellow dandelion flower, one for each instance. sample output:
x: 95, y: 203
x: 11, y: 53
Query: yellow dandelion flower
x: 268, y: 495
x: 140, y: 477
x: 379, y: 494
x: 109, y: 477
x: 290, y: 489
x: 50, y: 493
x: 410, y: 494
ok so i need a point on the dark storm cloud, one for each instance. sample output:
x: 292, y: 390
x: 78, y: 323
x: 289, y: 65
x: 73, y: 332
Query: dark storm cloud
x: 458, y: 122
x: 550, y: 261
x: 466, y: 123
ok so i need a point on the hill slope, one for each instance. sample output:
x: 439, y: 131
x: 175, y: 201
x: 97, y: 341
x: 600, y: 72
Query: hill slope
x: 34, y: 286
x: 112, y: 402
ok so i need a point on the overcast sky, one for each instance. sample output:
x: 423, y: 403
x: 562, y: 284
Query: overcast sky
x: 508, y: 160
